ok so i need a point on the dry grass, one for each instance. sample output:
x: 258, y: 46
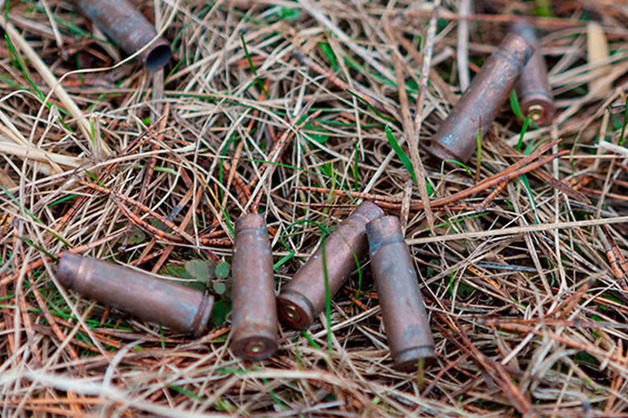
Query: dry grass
x: 527, y: 294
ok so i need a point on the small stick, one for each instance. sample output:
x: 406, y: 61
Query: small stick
x: 621, y: 260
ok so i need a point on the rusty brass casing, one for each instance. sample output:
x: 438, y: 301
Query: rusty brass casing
x: 533, y: 89
x: 254, y: 311
x: 175, y: 306
x: 405, y: 320
x: 456, y: 139
x: 303, y: 298
x: 128, y: 28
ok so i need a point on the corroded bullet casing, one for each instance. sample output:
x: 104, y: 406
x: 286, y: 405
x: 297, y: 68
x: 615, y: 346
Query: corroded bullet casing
x: 533, y: 89
x: 254, y: 311
x: 304, y: 297
x: 403, y: 311
x: 457, y: 136
x: 175, y: 306
x: 128, y: 28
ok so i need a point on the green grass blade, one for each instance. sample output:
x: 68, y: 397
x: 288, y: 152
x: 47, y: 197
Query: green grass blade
x: 403, y: 157
x: 622, y: 139
x: 523, y: 132
x: 253, y: 69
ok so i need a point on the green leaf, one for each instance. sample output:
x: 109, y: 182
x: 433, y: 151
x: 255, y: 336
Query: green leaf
x: 403, y: 157
x: 198, y: 269
x: 464, y: 290
x: 174, y: 270
x: 219, y: 288
x: 222, y: 270
x: 314, y: 133
x: 135, y: 236
x: 219, y: 313
x: 327, y: 169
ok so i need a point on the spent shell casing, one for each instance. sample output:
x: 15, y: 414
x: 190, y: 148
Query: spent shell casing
x: 128, y: 28
x: 405, y: 320
x: 456, y: 139
x: 301, y: 300
x: 146, y: 297
x: 533, y: 89
x: 254, y: 310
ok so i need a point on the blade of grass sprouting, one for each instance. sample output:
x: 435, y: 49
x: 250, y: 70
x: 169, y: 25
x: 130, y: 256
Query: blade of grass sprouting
x: 516, y: 109
x: 310, y: 340
x: 524, y: 128
x: 373, y: 108
x: 514, y: 105
x: 253, y: 69
x: 186, y: 392
x: 38, y: 248
x: 95, y: 178
x: 451, y: 283
x: 161, y: 337
x: 10, y: 82
x: 17, y: 202
x: 221, y: 179
x: 283, y: 260
x: 329, y: 54
x: 526, y: 183
x: 228, y: 221
x: 23, y: 69
x: 63, y: 199
x: 278, y: 401
x: 461, y: 165
x: 524, y: 179
x: 403, y: 157
x: 622, y: 139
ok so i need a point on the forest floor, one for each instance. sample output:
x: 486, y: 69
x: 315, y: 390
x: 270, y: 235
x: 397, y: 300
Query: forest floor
x: 300, y: 110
